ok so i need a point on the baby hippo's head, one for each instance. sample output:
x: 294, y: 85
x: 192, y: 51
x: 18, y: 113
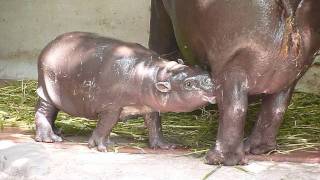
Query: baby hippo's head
x: 181, y: 88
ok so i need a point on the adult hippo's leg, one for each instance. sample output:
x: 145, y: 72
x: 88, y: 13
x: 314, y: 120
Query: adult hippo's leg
x: 45, y: 116
x: 162, y: 38
x: 232, y: 104
x: 153, y: 123
x: 107, y: 120
x: 263, y: 136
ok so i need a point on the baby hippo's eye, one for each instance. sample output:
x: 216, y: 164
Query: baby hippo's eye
x: 189, y: 85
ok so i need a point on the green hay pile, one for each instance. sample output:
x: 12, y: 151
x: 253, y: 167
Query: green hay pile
x: 197, y: 130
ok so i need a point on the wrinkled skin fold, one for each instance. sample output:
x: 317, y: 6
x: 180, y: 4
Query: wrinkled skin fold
x: 259, y: 47
x: 91, y: 76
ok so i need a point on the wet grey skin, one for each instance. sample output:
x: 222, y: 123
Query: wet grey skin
x: 96, y: 77
x: 257, y: 47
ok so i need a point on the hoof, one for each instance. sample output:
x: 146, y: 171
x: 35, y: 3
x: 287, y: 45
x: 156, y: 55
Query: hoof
x: 257, y: 148
x: 161, y: 144
x: 48, y: 138
x: 57, y: 131
x: 99, y: 142
x: 214, y: 157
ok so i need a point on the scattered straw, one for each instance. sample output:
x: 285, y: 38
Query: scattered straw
x: 197, y: 130
x: 211, y: 172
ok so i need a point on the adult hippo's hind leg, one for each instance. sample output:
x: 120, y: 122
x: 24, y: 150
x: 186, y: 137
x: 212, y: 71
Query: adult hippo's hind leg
x: 263, y: 136
x: 107, y: 120
x: 232, y: 104
x: 156, y: 139
x: 45, y: 116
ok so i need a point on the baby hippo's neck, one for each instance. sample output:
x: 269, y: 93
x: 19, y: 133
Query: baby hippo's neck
x: 145, y: 76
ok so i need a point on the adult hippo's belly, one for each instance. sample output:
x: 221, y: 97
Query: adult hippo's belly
x: 251, y: 47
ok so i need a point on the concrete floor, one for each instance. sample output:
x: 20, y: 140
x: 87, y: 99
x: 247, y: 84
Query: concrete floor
x: 22, y: 158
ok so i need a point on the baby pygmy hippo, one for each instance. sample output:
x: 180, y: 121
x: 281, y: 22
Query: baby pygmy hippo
x: 91, y: 76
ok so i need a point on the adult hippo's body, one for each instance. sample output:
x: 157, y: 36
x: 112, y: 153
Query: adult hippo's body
x: 251, y: 47
x: 87, y: 75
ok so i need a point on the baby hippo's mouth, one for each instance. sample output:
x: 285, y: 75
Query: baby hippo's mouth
x: 211, y: 100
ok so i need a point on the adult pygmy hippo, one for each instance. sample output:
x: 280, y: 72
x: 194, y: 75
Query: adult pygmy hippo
x: 87, y: 75
x: 251, y: 47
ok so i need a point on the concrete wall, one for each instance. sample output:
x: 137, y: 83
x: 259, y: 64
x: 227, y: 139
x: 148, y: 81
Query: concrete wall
x: 26, y: 26
x: 310, y: 82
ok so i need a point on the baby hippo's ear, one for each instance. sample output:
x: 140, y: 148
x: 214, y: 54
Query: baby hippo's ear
x: 163, y: 86
x: 180, y: 61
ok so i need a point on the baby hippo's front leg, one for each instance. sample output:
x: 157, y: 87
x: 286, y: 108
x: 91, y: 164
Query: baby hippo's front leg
x: 107, y: 120
x: 156, y: 140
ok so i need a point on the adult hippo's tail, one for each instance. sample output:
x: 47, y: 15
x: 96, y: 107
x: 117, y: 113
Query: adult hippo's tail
x: 308, y: 17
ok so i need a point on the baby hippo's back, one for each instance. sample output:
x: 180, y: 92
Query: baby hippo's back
x: 81, y: 72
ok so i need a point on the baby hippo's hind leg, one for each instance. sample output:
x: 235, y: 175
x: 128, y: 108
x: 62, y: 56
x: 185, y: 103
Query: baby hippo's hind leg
x: 46, y: 114
x: 156, y: 139
x: 107, y: 120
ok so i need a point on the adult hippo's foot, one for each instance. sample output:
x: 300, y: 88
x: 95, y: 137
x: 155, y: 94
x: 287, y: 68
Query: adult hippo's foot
x: 46, y: 113
x: 107, y: 120
x: 97, y: 141
x: 162, y: 144
x: 263, y: 136
x: 156, y: 140
x: 215, y: 157
x: 258, y: 146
